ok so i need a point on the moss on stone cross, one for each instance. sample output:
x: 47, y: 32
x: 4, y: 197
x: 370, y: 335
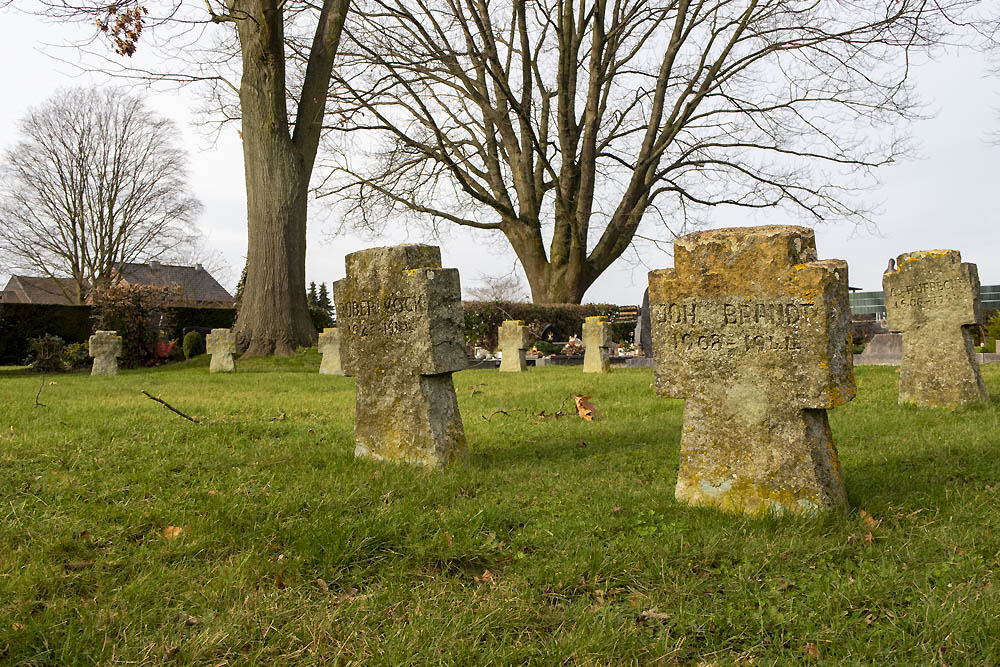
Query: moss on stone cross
x: 752, y: 331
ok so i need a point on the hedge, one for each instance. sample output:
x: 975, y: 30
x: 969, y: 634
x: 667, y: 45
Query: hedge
x: 20, y: 322
x: 483, y: 318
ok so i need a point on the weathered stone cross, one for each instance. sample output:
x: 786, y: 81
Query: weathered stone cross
x: 514, y: 341
x: 752, y: 331
x: 105, y: 348
x: 329, y: 347
x: 221, y: 344
x: 596, y: 341
x: 400, y: 319
x: 932, y: 298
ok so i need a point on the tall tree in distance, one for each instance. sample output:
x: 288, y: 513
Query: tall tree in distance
x: 94, y: 181
x: 563, y: 124
x: 284, y: 52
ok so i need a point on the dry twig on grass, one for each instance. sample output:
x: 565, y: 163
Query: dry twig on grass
x: 168, y: 406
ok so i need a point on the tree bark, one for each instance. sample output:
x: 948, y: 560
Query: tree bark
x: 273, y: 316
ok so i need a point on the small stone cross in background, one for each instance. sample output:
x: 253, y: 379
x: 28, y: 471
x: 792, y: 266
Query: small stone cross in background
x: 105, y: 348
x: 221, y: 344
x: 514, y: 341
x: 932, y: 298
x: 329, y: 347
x: 596, y: 341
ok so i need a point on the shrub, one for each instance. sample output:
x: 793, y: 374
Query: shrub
x: 993, y: 326
x: 138, y: 313
x: 194, y: 344
x: 176, y: 350
x: 46, y: 354
x: 75, y: 356
x: 482, y: 319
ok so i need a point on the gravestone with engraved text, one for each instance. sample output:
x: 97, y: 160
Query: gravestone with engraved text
x: 514, y: 340
x: 221, y: 344
x: 105, y: 348
x: 400, y: 322
x: 329, y: 347
x: 596, y: 341
x: 932, y: 298
x: 752, y: 331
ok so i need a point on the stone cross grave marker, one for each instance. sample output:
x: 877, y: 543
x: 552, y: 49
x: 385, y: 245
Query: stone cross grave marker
x: 596, y: 341
x: 752, y: 331
x: 105, y: 348
x: 514, y: 340
x: 221, y: 344
x: 329, y: 347
x: 400, y: 320
x: 932, y: 298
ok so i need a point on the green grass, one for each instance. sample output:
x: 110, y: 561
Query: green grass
x: 574, y: 525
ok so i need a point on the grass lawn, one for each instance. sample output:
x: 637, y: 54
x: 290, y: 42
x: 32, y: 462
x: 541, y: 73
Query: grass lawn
x: 129, y: 535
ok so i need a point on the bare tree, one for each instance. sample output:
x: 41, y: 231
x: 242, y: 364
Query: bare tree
x: 578, y: 119
x: 506, y: 287
x: 94, y: 182
x: 283, y: 53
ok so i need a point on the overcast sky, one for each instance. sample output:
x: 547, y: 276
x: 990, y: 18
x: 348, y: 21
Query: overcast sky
x: 945, y: 199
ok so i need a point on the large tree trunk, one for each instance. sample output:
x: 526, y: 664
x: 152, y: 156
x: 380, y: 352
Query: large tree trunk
x: 562, y: 279
x: 274, y: 316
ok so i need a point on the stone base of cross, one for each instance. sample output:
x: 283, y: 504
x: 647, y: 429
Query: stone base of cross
x: 596, y: 341
x: 329, y: 347
x: 752, y: 331
x: 932, y: 298
x: 400, y: 321
x: 514, y: 340
x: 221, y: 344
x: 105, y: 347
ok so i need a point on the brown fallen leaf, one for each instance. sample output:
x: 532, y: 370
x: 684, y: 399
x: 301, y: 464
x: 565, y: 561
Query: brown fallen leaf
x: 810, y: 650
x: 172, y: 532
x: 78, y: 565
x: 486, y: 578
x: 585, y: 408
x: 19, y: 626
x: 186, y: 619
x: 581, y: 444
x: 323, y: 586
x: 617, y: 508
x: 279, y: 581
x: 870, y: 522
x: 448, y: 539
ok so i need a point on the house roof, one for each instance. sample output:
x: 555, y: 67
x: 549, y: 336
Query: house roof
x: 29, y: 289
x: 194, y: 283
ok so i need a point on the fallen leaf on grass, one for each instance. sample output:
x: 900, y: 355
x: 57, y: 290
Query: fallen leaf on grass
x: 870, y: 522
x: 810, y: 650
x: 474, y: 389
x: 279, y: 581
x: 581, y: 444
x: 617, y: 508
x: 186, y: 619
x: 19, y: 626
x: 172, y: 532
x: 323, y: 586
x: 448, y: 539
x: 486, y: 578
x: 652, y: 615
x: 585, y: 408
x: 78, y: 565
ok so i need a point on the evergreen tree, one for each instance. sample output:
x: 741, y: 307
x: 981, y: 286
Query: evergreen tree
x: 312, y: 295
x: 324, y: 298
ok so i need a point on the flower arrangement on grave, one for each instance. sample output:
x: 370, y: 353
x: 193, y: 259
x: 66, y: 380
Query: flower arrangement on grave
x: 573, y: 347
